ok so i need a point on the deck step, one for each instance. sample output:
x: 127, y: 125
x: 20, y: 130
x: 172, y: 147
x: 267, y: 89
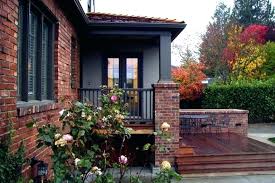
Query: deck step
x: 189, y: 163
x: 225, y: 163
x: 200, y: 171
x: 218, y: 157
x: 224, y: 152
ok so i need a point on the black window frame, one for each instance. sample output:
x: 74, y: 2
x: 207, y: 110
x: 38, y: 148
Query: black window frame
x: 44, y: 15
x: 122, y: 56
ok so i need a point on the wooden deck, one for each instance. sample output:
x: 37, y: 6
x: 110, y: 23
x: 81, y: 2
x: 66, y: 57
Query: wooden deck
x: 225, y: 152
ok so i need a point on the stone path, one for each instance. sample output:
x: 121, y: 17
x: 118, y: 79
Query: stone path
x: 262, y: 132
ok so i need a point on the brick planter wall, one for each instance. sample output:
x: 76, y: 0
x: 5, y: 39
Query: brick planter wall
x: 238, y: 119
x: 167, y: 110
x: 46, y: 112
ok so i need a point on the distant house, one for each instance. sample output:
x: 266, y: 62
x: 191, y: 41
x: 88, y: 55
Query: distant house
x: 52, y: 50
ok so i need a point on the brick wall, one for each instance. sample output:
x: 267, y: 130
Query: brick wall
x: 8, y: 54
x: 237, y: 120
x: 46, y: 112
x: 167, y: 110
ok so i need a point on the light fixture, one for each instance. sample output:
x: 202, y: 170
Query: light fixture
x: 40, y: 170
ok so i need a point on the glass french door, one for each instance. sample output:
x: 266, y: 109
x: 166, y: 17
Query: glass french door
x: 124, y: 71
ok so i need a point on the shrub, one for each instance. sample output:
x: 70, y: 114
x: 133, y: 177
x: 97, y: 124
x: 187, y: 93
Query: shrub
x: 11, y: 163
x: 269, y: 65
x: 256, y: 96
x: 190, y: 78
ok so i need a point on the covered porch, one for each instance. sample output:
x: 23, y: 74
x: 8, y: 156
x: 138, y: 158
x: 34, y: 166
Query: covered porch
x: 133, y: 53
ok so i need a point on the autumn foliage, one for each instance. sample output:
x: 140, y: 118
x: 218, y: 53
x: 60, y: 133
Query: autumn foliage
x: 245, y: 51
x: 190, y: 78
x: 255, y: 33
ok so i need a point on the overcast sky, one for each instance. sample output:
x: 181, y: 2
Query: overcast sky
x: 196, y: 13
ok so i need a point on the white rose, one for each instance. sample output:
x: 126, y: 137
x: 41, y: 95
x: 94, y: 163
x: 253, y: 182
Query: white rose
x: 165, y: 165
x: 61, y: 142
x: 89, y: 118
x: 76, y: 161
x: 57, y: 136
x: 165, y: 126
x: 83, y: 115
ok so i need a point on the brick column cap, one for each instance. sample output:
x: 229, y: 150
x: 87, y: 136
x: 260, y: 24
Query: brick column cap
x: 165, y: 85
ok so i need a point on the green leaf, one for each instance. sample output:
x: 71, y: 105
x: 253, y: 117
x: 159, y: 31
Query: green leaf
x: 30, y: 124
x: 146, y: 147
x: 81, y: 133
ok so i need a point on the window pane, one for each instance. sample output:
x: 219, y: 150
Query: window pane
x: 32, y: 55
x: 113, y: 71
x: 44, y: 60
x: 132, y: 72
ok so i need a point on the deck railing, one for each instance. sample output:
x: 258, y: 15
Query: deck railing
x: 140, y: 102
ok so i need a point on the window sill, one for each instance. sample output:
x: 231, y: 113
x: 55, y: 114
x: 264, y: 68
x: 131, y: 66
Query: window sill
x: 32, y: 107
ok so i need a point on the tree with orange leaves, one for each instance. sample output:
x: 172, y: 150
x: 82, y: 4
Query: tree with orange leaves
x: 190, y: 77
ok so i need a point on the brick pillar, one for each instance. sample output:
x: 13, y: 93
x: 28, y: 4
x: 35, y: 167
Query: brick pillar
x: 167, y: 110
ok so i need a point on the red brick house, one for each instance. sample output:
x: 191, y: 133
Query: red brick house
x: 51, y: 50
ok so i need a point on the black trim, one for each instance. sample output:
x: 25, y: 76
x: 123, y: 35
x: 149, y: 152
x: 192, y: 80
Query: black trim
x: 39, y: 59
x: 44, y: 15
x: 50, y: 93
x: 25, y: 50
x: 105, y: 70
x: 43, y: 9
x: 137, y: 28
x: 101, y: 24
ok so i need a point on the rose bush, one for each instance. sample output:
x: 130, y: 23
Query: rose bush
x: 81, y: 146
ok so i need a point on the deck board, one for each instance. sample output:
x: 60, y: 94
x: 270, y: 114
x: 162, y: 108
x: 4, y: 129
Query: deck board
x: 224, y: 143
x: 224, y: 152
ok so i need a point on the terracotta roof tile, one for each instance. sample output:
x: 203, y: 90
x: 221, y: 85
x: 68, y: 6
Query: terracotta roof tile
x: 108, y: 17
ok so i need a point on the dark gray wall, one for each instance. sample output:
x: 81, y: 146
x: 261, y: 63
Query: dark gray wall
x: 93, y: 54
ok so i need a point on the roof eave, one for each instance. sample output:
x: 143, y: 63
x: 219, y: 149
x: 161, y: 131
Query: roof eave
x: 174, y: 28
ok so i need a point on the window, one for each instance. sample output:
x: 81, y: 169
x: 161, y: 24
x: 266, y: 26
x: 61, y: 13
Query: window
x: 113, y: 72
x: 35, y: 51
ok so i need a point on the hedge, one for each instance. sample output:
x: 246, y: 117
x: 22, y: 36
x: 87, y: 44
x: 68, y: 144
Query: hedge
x: 258, y: 97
